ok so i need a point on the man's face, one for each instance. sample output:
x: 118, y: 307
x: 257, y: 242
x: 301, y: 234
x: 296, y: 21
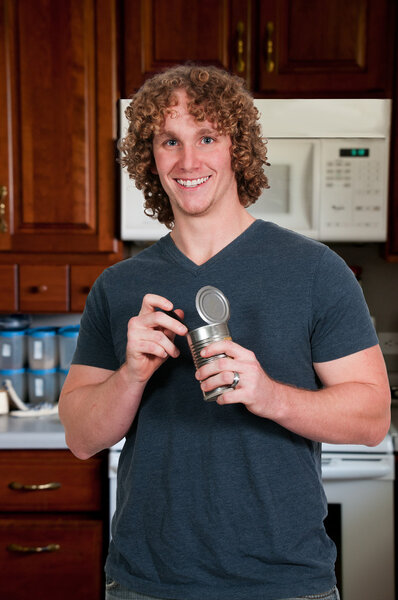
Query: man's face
x: 193, y: 162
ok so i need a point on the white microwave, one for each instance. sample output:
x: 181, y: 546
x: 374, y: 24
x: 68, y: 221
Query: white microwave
x: 328, y: 172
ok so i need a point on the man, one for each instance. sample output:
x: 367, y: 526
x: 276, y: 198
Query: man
x: 220, y: 500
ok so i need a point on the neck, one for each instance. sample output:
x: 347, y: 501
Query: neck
x: 202, y: 238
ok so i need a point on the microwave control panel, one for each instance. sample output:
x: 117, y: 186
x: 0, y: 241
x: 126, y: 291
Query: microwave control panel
x: 353, y: 189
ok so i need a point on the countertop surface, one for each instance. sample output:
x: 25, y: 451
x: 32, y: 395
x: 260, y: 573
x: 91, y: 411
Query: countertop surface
x: 47, y: 432
x: 31, y: 433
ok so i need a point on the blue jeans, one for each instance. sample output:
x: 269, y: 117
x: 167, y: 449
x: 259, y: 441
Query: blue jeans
x: 115, y: 591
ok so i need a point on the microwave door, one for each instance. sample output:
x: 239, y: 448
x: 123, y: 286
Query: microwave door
x: 291, y: 199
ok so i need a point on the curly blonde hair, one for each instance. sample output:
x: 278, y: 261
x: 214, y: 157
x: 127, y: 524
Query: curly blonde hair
x: 214, y: 95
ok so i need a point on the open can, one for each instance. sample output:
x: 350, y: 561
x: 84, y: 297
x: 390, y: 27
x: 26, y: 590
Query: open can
x: 213, y: 307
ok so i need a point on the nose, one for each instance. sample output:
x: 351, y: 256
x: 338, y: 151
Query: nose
x: 189, y: 158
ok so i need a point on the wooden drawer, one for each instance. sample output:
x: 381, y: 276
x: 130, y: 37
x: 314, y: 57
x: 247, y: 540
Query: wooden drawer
x: 50, y: 480
x: 82, y: 278
x: 70, y: 567
x: 44, y: 288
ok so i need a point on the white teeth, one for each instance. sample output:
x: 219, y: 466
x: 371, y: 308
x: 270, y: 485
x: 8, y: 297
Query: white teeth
x: 192, y: 182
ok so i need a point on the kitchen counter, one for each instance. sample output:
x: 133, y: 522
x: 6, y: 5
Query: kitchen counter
x: 47, y: 432
x: 37, y: 433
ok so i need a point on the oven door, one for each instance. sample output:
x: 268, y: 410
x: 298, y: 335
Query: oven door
x: 359, y: 491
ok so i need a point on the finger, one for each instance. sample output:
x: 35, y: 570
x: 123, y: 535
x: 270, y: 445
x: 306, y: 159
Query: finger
x: 176, y: 315
x: 153, y: 342
x: 229, y: 348
x: 159, y: 319
x: 225, y: 378
x: 230, y: 397
x: 225, y: 363
x: 152, y: 301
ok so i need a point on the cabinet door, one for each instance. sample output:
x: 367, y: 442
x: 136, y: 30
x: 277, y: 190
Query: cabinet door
x: 8, y: 287
x: 321, y: 46
x: 46, y: 557
x: 168, y: 32
x: 44, y: 288
x: 82, y: 278
x: 58, y: 100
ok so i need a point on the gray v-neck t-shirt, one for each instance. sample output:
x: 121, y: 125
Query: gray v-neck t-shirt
x: 213, y: 501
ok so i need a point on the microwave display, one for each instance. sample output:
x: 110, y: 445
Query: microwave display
x: 354, y: 152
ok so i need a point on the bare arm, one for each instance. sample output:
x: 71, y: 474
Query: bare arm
x: 97, y: 406
x: 352, y: 408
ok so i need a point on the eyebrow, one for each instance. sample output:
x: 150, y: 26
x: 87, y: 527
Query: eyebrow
x: 172, y: 134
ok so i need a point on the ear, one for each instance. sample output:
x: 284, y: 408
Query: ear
x: 153, y: 168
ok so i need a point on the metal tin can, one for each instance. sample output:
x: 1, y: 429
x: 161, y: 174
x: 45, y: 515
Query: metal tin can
x: 212, y: 306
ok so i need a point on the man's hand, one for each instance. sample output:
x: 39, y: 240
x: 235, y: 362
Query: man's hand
x: 254, y: 384
x: 150, y: 337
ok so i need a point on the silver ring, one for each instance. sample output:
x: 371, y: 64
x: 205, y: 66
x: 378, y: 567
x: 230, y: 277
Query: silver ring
x: 236, y: 380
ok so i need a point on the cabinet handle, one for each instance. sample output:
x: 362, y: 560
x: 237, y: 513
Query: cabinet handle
x: 39, y: 289
x: 269, y: 63
x: 240, y: 29
x: 33, y: 549
x: 23, y: 487
x: 3, y: 222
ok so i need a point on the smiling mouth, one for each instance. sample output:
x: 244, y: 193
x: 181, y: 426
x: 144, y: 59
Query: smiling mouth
x: 191, y: 183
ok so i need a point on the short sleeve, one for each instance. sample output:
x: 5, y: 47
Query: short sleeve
x: 341, y: 323
x: 95, y: 346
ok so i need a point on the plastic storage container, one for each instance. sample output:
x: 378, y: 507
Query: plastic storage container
x: 67, y: 340
x: 12, y: 349
x: 42, y: 348
x: 18, y: 380
x: 42, y: 385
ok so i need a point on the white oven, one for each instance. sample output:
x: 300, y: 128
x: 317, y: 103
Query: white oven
x: 359, y: 485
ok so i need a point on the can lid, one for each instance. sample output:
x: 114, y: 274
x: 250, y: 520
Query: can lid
x: 212, y: 305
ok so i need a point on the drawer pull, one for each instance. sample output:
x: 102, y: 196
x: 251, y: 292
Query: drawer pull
x: 39, y: 289
x: 23, y: 487
x: 33, y: 549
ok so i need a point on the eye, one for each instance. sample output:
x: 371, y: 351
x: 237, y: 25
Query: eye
x: 170, y: 142
x: 207, y: 140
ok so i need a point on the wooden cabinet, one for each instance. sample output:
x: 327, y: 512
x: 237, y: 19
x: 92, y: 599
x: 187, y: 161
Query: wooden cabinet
x: 44, y: 287
x: 159, y: 34
x: 280, y: 47
x: 58, y: 95
x: 81, y: 280
x: 9, y: 288
x: 58, y: 131
x: 53, y: 525
x: 54, y: 288
x: 324, y: 47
